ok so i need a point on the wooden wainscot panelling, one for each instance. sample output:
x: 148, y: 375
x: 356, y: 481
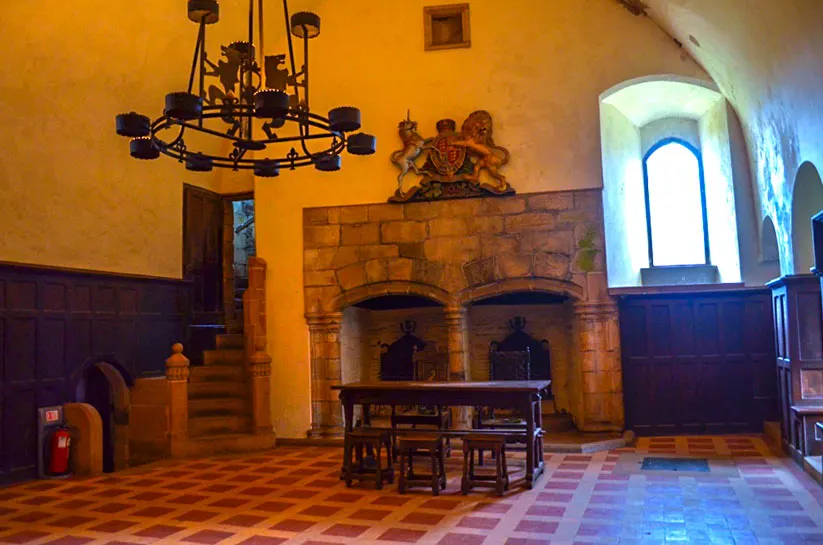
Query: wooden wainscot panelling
x: 698, y: 362
x: 799, y: 350
x: 54, y: 320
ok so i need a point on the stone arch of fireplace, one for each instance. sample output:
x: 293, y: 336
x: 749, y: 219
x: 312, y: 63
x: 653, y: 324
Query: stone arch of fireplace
x: 380, y: 289
x: 517, y: 285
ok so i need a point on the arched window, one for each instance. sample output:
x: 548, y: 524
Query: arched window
x: 676, y: 218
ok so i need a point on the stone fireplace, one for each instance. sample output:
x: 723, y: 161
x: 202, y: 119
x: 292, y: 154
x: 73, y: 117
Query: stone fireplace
x: 461, y: 270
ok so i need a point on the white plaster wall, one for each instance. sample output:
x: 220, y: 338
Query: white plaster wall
x: 720, y: 198
x: 766, y: 59
x: 624, y: 206
x: 680, y: 127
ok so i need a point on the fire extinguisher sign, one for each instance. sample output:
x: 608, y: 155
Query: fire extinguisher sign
x: 52, y: 416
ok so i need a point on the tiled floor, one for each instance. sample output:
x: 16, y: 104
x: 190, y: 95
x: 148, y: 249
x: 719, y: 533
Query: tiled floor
x: 293, y: 495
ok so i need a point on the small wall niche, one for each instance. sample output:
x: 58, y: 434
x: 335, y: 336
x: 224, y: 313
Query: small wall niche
x: 446, y: 27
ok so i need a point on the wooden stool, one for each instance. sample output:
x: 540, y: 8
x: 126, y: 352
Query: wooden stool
x: 354, y: 444
x: 422, y: 445
x: 497, y: 445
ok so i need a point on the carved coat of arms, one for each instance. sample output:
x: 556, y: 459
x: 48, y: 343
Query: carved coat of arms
x: 451, y: 163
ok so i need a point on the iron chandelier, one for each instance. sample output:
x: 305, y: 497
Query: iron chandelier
x: 248, y: 92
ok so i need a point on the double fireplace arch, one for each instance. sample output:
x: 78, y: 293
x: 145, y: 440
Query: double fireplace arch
x: 404, y: 257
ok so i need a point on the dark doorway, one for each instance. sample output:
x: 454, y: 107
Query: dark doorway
x: 243, y: 247
x: 98, y: 395
x: 203, y: 252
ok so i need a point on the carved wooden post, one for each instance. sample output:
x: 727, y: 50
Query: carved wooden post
x: 259, y: 361
x: 177, y: 377
x: 597, y: 330
x: 326, y: 371
x: 455, y: 318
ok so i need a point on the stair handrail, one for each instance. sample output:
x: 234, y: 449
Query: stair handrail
x: 254, y: 331
x: 177, y: 376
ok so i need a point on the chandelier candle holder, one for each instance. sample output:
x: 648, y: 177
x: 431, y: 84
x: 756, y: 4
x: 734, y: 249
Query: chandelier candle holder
x: 248, y: 91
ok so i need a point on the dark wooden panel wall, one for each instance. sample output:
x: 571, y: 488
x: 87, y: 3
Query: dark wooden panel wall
x: 52, y: 321
x: 698, y: 362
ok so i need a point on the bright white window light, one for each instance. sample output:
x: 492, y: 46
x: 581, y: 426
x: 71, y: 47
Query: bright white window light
x: 675, y: 206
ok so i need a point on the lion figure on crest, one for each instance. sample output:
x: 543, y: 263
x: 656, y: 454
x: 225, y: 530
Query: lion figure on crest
x: 476, y: 135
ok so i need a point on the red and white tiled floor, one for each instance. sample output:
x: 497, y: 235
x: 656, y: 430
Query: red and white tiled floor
x: 293, y: 495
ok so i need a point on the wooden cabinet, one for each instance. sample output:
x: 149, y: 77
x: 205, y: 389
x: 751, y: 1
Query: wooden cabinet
x: 799, y: 353
x: 697, y: 361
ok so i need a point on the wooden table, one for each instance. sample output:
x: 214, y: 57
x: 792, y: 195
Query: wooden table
x: 524, y: 396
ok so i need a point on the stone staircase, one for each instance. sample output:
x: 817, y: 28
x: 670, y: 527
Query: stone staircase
x: 219, y: 404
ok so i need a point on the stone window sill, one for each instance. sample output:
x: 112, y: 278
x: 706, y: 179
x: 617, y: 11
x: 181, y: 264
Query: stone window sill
x: 679, y: 275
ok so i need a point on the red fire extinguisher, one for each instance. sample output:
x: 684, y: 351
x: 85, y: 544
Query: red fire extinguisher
x: 60, y: 445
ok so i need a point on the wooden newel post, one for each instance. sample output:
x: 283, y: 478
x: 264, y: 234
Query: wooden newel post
x: 259, y: 361
x: 177, y: 377
x: 260, y: 376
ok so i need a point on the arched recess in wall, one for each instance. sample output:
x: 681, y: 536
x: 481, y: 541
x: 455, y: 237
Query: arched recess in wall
x: 769, y: 250
x: 105, y: 384
x: 807, y: 200
x: 635, y: 117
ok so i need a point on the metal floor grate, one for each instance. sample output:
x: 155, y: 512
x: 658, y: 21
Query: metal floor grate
x: 651, y: 463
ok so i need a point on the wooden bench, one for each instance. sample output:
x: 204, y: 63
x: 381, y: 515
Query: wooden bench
x: 806, y: 437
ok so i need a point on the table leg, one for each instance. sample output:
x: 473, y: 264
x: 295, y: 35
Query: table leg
x: 538, y: 441
x: 348, y: 417
x: 528, y: 412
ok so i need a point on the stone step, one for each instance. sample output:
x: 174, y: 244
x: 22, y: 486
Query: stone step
x: 230, y: 340
x: 224, y: 356
x: 201, y: 426
x: 217, y: 406
x: 212, y: 389
x: 217, y: 373
x: 214, y: 445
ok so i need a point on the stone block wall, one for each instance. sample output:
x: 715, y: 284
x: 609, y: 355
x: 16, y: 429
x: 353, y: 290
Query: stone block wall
x: 455, y: 253
x: 452, y: 245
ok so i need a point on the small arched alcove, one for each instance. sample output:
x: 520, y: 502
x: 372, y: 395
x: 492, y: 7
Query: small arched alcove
x: 807, y: 200
x: 104, y: 383
x: 769, y: 250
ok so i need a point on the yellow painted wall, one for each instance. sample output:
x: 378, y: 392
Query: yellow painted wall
x: 537, y: 66
x: 71, y: 195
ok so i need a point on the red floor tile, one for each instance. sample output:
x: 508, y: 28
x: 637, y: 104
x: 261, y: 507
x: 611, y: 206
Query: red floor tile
x: 113, y: 526
x: 461, y: 539
x: 245, y: 521
x: 370, y: 514
x: 536, y: 526
x: 429, y: 519
x: 70, y: 540
x: 196, y: 515
x: 208, y: 537
x: 401, y: 535
x: 479, y: 523
x: 345, y: 530
x: 159, y: 531
x: 263, y: 540
x: 24, y: 536
x: 320, y: 511
x: 293, y: 525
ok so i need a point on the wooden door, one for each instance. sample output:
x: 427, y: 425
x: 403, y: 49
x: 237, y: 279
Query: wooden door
x: 203, y: 252
x: 698, y: 363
